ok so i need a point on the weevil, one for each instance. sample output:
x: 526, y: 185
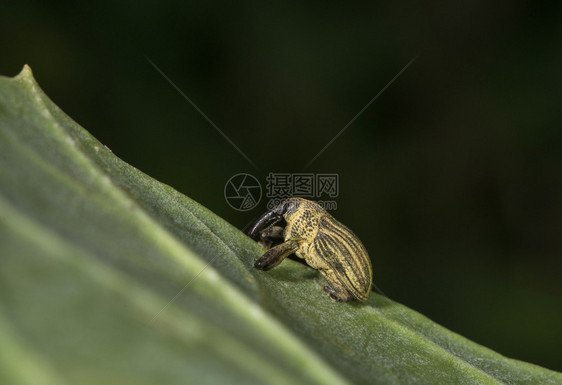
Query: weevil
x: 326, y: 245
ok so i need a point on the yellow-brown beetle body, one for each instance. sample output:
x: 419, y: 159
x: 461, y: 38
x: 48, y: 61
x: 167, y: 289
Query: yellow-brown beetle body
x: 323, y: 242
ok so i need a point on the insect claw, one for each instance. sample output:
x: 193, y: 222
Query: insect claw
x: 259, y: 264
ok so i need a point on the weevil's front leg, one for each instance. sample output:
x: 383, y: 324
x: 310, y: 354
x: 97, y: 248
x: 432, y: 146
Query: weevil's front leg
x: 276, y: 255
x: 270, y: 235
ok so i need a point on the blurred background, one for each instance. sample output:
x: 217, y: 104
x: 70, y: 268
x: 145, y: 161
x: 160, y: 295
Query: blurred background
x: 452, y: 177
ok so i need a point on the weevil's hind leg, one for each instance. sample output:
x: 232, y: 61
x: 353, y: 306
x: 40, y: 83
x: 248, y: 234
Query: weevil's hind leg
x: 334, y: 288
x: 270, y: 235
x: 276, y: 255
x: 337, y: 295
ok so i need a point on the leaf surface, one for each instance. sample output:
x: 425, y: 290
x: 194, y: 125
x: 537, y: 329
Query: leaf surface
x: 108, y: 276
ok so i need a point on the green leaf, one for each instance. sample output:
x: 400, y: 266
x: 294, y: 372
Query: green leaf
x: 108, y: 276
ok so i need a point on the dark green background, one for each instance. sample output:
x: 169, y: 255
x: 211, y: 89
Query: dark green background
x: 452, y: 178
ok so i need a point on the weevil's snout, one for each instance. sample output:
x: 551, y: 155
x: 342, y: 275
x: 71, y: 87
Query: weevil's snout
x: 268, y: 219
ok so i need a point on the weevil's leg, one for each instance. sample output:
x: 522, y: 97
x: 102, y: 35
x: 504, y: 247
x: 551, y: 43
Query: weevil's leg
x: 334, y: 287
x: 276, y: 255
x: 270, y: 235
x: 273, y: 232
x: 336, y: 296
